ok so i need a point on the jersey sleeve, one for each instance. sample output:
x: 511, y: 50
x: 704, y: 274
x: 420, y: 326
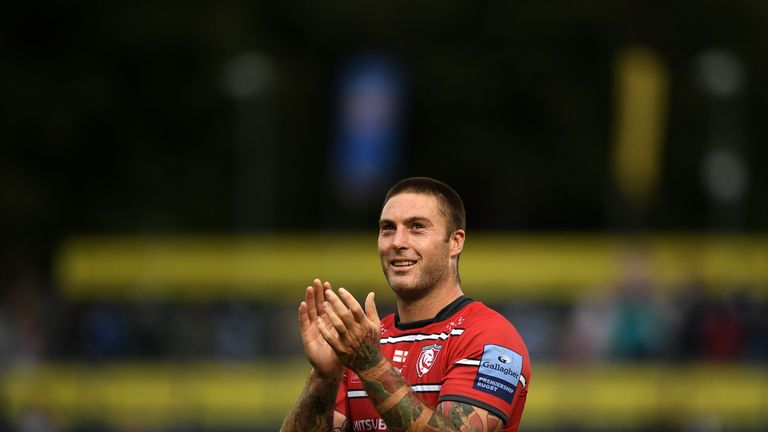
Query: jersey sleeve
x: 488, y: 368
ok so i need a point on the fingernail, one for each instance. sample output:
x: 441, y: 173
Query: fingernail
x: 342, y: 289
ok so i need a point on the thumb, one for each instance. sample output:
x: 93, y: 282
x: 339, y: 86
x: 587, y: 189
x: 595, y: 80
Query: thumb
x: 370, y: 309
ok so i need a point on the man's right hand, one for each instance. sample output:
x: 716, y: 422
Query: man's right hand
x: 320, y: 355
x: 314, y: 410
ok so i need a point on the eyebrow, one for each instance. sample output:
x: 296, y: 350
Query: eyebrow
x: 407, y: 221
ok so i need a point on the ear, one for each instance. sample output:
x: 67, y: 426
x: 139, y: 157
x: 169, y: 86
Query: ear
x: 456, y: 242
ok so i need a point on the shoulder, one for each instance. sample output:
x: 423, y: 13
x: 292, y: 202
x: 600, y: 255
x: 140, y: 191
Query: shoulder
x: 478, y: 315
x: 484, y: 325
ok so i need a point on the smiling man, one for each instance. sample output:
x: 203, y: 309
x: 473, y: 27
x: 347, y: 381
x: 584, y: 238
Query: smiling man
x: 442, y: 362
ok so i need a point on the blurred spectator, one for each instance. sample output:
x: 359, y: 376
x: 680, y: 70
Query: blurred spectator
x: 757, y: 328
x: 715, y: 328
x: 721, y: 330
x: 22, y: 319
x: 104, y: 332
x: 592, y: 324
x: 37, y: 420
x: 641, y: 317
x: 691, y: 305
x: 539, y: 324
x: 189, y: 331
x: 638, y: 329
x: 703, y: 424
x: 7, y: 342
x: 150, y: 331
x: 235, y: 331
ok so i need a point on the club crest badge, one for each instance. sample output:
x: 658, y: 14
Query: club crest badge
x: 427, y: 358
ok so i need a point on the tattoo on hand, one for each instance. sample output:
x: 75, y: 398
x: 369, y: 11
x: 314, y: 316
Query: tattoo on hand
x: 367, y: 355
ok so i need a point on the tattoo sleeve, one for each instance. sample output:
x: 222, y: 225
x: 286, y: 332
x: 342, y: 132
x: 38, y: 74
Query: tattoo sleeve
x: 403, y: 411
x: 314, y: 410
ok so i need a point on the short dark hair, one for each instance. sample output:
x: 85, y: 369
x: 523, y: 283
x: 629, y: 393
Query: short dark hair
x: 451, y: 204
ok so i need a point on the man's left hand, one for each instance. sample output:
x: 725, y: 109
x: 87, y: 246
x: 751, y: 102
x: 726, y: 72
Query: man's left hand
x: 353, y: 334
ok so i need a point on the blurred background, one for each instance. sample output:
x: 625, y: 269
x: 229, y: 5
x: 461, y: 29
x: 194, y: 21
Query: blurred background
x: 174, y: 174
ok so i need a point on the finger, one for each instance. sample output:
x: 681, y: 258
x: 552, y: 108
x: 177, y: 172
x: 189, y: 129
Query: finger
x: 304, y: 321
x: 319, y: 293
x: 309, y: 303
x: 328, y: 333
x: 352, y: 304
x: 342, y: 311
x: 335, y: 321
x: 370, y: 309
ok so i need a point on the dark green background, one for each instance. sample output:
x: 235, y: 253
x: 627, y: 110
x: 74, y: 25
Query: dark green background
x: 115, y: 119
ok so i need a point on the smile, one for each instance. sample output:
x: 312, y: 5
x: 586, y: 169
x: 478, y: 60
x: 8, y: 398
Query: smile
x: 403, y: 263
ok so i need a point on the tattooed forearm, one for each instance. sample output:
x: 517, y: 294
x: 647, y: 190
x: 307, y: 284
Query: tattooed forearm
x: 400, y: 409
x: 469, y: 418
x: 314, y: 410
x: 344, y: 427
x: 403, y: 411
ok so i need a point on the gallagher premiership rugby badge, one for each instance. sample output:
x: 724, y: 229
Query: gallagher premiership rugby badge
x: 499, y: 372
x: 427, y: 358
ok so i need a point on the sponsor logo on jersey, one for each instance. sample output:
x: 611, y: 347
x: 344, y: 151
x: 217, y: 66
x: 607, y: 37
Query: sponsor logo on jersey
x: 369, y: 424
x: 504, y: 370
x: 427, y: 358
x: 499, y: 372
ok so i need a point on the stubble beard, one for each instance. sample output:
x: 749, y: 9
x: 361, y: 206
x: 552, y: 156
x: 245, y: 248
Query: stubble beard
x: 425, y: 282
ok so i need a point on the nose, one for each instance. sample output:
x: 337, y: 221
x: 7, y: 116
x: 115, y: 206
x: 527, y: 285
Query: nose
x: 400, y: 239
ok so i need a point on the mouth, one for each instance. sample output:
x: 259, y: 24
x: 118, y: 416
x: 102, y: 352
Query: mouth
x: 402, y: 264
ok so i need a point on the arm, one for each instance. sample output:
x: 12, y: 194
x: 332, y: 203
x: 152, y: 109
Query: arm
x: 354, y: 336
x: 314, y: 409
x: 402, y: 410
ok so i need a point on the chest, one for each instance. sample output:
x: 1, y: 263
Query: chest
x: 421, y: 363
x: 418, y: 362
x: 421, y: 357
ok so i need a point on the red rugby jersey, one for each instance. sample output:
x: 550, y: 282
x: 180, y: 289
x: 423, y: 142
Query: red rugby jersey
x: 468, y: 353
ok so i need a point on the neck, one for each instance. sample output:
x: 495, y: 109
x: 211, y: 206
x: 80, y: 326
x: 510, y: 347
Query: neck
x: 428, y: 306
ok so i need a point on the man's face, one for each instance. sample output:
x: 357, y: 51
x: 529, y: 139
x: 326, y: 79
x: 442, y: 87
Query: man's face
x: 413, y: 245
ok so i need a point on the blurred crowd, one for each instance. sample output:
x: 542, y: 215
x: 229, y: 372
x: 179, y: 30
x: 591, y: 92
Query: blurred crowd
x: 633, y: 325
x: 634, y: 322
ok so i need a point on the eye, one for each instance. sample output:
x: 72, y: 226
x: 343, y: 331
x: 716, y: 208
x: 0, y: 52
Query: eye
x: 418, y: 226
x: 386, y: 227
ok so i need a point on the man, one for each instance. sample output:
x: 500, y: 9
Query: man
x: 442, y: 362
